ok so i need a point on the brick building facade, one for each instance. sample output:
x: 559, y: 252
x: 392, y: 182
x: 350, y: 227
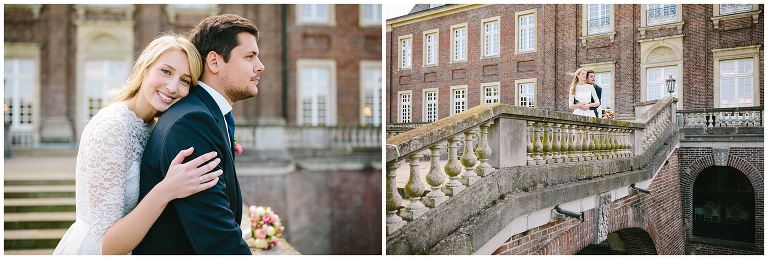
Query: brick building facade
x: 63, y: 62
x: 633, y: 48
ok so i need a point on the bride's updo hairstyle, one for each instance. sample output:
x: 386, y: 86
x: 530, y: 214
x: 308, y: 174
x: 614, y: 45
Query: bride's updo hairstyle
x: 151, y: 53
x: 576, y: 79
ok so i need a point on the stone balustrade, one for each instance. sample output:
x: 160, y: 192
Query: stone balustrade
x: 722, y: 117
x: 495, y: 136
x: 267, y: 137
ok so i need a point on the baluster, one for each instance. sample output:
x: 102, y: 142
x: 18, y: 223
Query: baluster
x: 484, y: 152
x: 529, y: 144
x: 586, y: 143
x: 578, y: 143
x: 394, y: 222
x: 435, y: 178
x: 558, y: 146
x: 453, y: 168
x: 571, y: 133
x: 469, y: 159
x: 612, y: 133
x: 538, y: 146
x: 414, y: 189
x: 547, y: 143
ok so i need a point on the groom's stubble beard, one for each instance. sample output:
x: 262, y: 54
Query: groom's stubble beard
x: 236, y: 92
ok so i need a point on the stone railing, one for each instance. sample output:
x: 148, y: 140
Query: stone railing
x: 499, y: 136
x: 396, y: 128
x: 721, y: 117
x: 263, y: 137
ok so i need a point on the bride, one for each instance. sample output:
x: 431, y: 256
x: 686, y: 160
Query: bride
x: 109, y: 220
x: 581, y: 94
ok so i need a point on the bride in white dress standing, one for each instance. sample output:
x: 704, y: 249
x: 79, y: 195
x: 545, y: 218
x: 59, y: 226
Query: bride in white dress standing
x: 109, y: 220
x: 581, y: 94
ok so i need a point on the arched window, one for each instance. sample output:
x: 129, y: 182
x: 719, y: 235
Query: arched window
x: 723, y: 205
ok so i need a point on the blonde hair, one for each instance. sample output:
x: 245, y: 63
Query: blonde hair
x: 576, y: 79
x: 151, y: 53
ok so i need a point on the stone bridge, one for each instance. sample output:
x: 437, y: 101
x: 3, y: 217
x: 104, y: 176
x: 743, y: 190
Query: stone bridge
x: 532, y: 181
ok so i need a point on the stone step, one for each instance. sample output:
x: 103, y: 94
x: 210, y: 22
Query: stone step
x: 29, y: 252
x: 39, y: 191
x: 39, y: 220
x: 39, y: 204
x: 33, y: 238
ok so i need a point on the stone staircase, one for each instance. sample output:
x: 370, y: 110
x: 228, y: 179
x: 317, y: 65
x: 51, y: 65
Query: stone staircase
x: 39, y: 207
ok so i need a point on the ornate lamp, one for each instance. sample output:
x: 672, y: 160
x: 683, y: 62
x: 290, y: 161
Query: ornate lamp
x: 670, y: 84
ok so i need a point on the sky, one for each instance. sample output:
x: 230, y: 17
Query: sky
x: 395, y: 10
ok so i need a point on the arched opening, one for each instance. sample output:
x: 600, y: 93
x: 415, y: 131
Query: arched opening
x: 723, y: 205
x: 628, y: 241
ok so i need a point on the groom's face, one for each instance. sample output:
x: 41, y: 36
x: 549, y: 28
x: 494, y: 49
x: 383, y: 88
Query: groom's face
x: 242, y: 73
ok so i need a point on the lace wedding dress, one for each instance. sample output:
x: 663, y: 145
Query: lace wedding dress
x: 107, y: 177
x: 584, y: 94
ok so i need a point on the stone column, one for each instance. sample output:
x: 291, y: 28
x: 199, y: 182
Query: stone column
x: 469, y: 159
x: 414, y: 189
x: 453, y: 169
x: 435, y: 178
x: 484, y: 152
x: 529, y: 144
x: 394, y: 222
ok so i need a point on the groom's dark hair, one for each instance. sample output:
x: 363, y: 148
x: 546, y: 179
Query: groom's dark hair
x: 219, y: 34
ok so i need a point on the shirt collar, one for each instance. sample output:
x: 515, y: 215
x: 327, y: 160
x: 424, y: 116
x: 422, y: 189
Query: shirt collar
x: 220, y: 100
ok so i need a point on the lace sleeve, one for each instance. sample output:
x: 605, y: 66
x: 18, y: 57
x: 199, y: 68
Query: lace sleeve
x: 105, y: 156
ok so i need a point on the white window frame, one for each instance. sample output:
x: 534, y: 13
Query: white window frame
x: 518, y: 32
x: 519, y: 83
x: 717, y: 17
x: 645, y: 25
x: 331, y: 105
x: 650, y: 60
x: 585, y: 32
x: 29, y: 132
x: 330, y: 20
x: 673, y: 9
x: 663, y: 87
x: 605, y: 67
x: 433, y: 46
x: 484, y: 93
x: 401, y: 105
x: 728, y: 9
x: 453, y: 98
x: 427, y: 102
x: 377, y: 103
x: 747, y: 52
x: 483, y: 51
x: 374, y: 21
x: 460, y: 50
x: 405, y: 54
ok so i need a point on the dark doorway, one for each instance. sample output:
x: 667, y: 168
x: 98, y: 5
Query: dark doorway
x: 723, y: 205
x: 628, y: 241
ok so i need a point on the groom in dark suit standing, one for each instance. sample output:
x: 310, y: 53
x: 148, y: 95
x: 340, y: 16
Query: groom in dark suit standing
x: 598, y: 91
x: 207, y: 222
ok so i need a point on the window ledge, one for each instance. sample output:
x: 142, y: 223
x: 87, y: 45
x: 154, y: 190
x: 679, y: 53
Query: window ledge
x: 458, y: 61
x: 430, y: 65
x: 525, y: 52
x: 489, y: 57
x: 754, y: 14
x: 610, y: 34
x: 405, y: 69
x: 678, y: 25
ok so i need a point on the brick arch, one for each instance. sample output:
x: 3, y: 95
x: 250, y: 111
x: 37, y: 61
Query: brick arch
x: 754, y: 176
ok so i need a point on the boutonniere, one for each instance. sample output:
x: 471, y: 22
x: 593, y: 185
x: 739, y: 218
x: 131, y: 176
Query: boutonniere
x: 238, y: 148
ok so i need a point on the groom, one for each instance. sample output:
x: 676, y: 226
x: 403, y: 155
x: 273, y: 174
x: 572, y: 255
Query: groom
x: 206, y: 222
x: 598, y: 91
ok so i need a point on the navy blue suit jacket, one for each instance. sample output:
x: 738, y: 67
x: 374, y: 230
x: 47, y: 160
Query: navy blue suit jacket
x: 207, y: 222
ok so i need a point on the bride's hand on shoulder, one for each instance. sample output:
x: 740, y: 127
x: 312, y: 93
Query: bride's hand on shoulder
x: 185, y: 179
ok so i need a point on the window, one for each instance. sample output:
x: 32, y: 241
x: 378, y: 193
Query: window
x: 724, y: 205
x: 526, y: 31
x: 605, y: 82
x: 598, y: 18
x: 430, y: 105
x: 103, y: 80
x: 20, y: 81
x: 405, y: 52
x: 459, y: 43
x: 370, y: 82
x: 736, y: 83
x: 734, y: 8
x: 370, y: 15
x: 431, y: 41
x: 458, y: 99
x: 661, y: 14
x: 490, y: 31
x: 656, y: 82
x: 315, y: 14
x: 405, y: 106
x: 526, y: 94
x: 317, y: 103
x: 490, y: 92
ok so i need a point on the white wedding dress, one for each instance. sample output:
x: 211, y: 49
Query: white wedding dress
x: 584, y: 94
x: 107, y: 177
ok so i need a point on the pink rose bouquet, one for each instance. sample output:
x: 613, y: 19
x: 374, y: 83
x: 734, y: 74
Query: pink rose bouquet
x: 266, y: 228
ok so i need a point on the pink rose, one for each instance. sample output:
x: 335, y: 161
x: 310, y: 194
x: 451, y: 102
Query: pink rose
x: 239, y: 149
x: 261, y: 233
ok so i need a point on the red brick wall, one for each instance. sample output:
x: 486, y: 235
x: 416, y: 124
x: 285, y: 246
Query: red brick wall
x: 559, y: 51
x: 657, y: 213
x: 750, y: 162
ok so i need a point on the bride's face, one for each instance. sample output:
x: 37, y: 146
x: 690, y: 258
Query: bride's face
x: 582, y: 76
x: 167, y: 80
